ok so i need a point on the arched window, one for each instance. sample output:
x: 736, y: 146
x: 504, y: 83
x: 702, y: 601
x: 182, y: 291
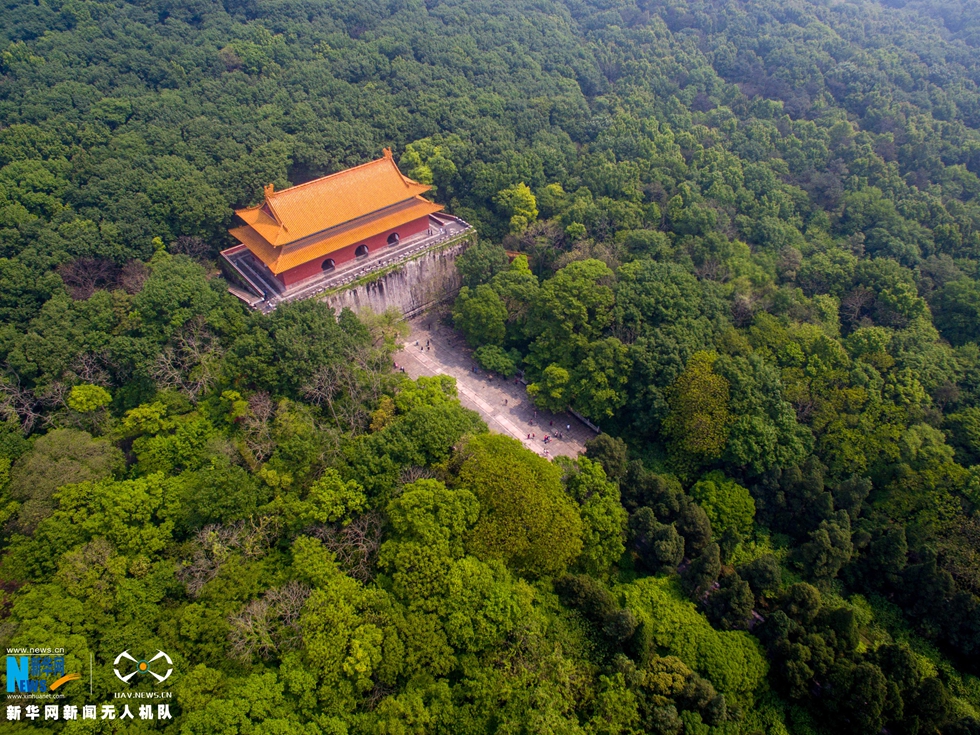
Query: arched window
x: 393, y: 238
x: 328, y: 264
x: 361, y: 252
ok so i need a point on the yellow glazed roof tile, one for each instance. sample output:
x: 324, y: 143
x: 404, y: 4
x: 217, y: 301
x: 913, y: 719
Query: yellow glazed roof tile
x: 254, y: 242
x: 280, y: 259
x: 300, y: 211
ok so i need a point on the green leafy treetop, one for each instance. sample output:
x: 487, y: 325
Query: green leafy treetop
x: 729, y: 506
x: 88, y: 398
x: 526, y: 519
x: 699, y: 415
x: 519, y: 203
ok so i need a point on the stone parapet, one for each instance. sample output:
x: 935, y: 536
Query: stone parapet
x: 416, y: 274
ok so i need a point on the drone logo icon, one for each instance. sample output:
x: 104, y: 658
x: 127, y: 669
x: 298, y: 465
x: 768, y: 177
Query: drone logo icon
x: 143, y: 666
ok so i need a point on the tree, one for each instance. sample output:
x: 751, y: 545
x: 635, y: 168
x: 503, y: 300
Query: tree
x: 59, y: 457
x: 349, y: 638
x: 88, y: 398
x: 731, y: 660
x: 312, y: 353
x: 964, y: 429
x: 610, y: 452
x: 930, y: 705
x: 764, y: 432
x: 551, y: 391
x: 219, y: 493
x: 518, y: 287
x: 730, y: 606
x: 659, y: 548
x: 801, y: 602
x: 763, y: 575
x: 728, y: 505
x: 134, y: 516
x: 480, y: 315
x: 828, y: 549
x: 957, y: 309
x: 698, y: 422
x: 330, y: 499
x: 526, y: 519
x: 571, y: 311
x: 176, y: 291
x: 860, y: 692
x: 703, y: 571
x: 693, y: 524
x: 599, y: 381
x: 585, y: 594
x: 493, y: 359
x: 479, y: 263
x: 603, y: 516
x: 518, y: 203
x: 429, y: 161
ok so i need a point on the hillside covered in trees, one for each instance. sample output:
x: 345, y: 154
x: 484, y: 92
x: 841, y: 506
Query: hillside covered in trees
x: 750, y: 250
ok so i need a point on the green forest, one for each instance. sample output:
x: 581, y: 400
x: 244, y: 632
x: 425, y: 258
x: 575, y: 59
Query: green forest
x: 748, y: 237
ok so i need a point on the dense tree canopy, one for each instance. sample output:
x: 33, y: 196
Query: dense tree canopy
x: 743, y: 238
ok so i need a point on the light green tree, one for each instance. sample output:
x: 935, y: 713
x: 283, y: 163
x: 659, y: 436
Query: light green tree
x: 551, y: 391
x: 518, y: 203
x: 603, y: 516
x: 88, y: 398
x: 526, y: 519
x: 729, y: 506
x: 699, y: 416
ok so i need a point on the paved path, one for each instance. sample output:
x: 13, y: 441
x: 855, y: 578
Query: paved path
x: 503, y: 404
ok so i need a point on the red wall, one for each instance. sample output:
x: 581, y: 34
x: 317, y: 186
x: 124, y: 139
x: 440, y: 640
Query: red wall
x: 374, y: 243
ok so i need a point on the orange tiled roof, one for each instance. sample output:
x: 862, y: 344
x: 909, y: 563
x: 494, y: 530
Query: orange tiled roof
x: 279, y: 259
x: 300, y: 211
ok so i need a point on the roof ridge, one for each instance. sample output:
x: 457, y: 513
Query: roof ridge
x: 388, y: 156
x: 272, y: 208
x: 319, y: 204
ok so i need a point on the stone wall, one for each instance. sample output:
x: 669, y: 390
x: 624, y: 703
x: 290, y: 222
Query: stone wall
x: 411, y: 287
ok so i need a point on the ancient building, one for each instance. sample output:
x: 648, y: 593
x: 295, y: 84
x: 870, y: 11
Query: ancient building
x: 304, y: 240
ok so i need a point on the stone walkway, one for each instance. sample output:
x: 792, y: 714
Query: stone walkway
x: 503, y: 404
